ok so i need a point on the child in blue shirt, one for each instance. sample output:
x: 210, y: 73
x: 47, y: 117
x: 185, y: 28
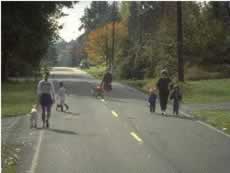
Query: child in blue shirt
x: 152, y: 100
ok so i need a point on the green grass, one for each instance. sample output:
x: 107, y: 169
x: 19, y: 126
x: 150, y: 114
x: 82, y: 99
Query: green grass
x: 203, y: 91
x: 10, y: 157
x: 217, y: 118
x: 18, y: 97
x: 207, y: 91
x: 97, y: 71
x: 10, y: 169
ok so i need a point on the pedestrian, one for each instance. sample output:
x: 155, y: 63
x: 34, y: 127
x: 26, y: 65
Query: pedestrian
x: 46, y: 95
x: 152, y: 100
x: 163, y: 87
x: 176, y: 96
x: 61, y: 95
x: 107, y: 81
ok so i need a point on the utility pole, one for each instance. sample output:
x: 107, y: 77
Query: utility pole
x: 113, y: 37
x: 180, y: 42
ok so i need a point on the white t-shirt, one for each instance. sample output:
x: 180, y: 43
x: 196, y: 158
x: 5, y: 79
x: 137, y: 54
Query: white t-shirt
x: 46, y: 87
x: 34, y: 114
x: 61, y: 94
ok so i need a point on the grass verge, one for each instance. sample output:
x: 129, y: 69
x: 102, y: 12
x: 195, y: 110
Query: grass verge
x: 10, y: 157
x: 217, y: 118
x: 18, y: 97
x: 207, y: 91
x: 203, y: 91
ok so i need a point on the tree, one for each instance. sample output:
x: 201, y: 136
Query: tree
x: 180, y: 42
x: 95, y: 16
x: 99, y: 43
x: 27, y: 29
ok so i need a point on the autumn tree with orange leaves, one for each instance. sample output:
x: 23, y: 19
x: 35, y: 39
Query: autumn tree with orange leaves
x: 99, y: 42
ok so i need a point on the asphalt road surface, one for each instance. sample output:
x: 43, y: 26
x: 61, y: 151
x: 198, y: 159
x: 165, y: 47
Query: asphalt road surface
x: 119, y: 135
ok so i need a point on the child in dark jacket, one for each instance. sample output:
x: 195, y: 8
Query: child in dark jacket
x: 152, y: 100
x: 176, y: 96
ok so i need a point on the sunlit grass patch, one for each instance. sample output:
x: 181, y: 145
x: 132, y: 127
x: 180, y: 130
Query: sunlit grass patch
x: 18, y: 97
x: 10, y: 156
x: 207, y: 91
x: 217, y: 118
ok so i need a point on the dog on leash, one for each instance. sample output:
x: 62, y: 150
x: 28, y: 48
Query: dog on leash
x: 98, y: 91
x: 34, y: 116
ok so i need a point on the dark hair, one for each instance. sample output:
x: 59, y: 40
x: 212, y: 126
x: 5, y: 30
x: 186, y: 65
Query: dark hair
x: 61, y: 84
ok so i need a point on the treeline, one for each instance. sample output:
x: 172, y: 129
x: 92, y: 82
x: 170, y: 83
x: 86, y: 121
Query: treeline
x: 28, y: 32
x: 146, y: 36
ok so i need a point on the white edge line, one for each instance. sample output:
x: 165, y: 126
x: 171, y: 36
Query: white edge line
x: 36, y: 155
x: 207, y: 125
x: 215, y: 129
x: 114, y: 113
x: 136, y: 137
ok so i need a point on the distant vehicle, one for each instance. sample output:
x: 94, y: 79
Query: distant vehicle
x: 84, y: 65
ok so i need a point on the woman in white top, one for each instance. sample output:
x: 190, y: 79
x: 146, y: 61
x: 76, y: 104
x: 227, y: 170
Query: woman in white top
x: 46, y: 95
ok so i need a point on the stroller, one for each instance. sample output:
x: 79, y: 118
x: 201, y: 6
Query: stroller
x: 98, y: 91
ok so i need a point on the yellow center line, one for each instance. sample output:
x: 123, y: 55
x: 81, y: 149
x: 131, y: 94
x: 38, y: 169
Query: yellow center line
x: 114, y: 114
x: 136, y: 137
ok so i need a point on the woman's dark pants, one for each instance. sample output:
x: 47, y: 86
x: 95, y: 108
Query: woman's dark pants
x: 46, y: 103
x: 163, y: 101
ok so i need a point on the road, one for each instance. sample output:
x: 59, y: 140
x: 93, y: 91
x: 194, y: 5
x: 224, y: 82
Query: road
x: 119, y: 135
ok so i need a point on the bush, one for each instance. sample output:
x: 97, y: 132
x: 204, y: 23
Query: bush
x: 198, y: 73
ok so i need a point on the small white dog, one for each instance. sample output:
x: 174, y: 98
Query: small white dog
x: 34, y: 116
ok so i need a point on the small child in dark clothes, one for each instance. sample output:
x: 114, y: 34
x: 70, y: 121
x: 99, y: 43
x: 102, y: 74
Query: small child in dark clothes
x: 152, y: 100
x: 176, y: 96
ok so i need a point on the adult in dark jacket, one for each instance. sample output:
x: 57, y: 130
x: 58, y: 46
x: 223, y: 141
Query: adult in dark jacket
x: 163, y: 85
x: 106, y: 81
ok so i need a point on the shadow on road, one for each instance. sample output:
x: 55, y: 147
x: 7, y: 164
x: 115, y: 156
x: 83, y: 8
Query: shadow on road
x: 80, y: 87
x: 175, y: 116
x: 70, y: 113
x: 63, y: 131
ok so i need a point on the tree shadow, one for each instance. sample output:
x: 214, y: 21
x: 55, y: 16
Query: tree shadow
x: 68, y: 132
x: 70, y: 113
x: 115, y: 100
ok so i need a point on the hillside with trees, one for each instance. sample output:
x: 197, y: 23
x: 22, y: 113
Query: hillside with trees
x: 145, y: 36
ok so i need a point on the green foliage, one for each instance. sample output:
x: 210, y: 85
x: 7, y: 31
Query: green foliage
x: 152, y: 39
x: 98, y: 14
x: 97, y: 71
x: 27, y: 29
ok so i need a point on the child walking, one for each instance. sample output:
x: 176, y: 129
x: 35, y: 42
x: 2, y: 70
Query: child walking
x: 152, y: 100
x: 61, y: 97
x: 176, y: 96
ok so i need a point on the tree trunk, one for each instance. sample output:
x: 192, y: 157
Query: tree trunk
x: 180, y: 42
x: 4, y: 70
x: 113, y: 39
